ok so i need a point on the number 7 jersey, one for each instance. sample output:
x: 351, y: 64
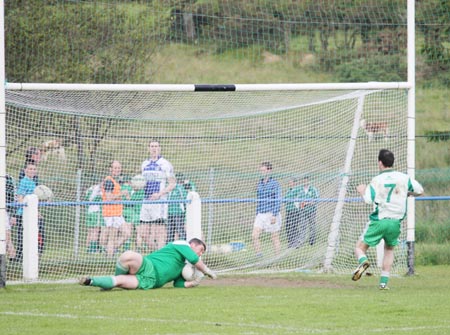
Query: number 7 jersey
x: 388, y: 192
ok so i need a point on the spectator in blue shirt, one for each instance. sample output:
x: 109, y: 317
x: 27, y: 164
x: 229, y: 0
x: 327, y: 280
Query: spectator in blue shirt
x: 26, y: 187
x: 268, y: 216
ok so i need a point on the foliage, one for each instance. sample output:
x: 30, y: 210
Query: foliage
x: 369, y: 70
x: 437, y: 136
x: 122, y: 41
x: 432, y: 20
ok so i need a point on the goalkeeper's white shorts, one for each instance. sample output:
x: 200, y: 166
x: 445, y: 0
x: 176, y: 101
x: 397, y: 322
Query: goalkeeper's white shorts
x: 263, y: 221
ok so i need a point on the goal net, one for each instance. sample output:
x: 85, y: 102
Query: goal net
x: 217, y: 141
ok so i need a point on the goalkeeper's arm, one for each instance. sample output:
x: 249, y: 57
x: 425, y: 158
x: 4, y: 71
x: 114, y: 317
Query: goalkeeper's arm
x: 207, y: 271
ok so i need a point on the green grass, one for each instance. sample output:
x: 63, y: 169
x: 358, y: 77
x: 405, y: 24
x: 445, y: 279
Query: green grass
x: 288, y: 304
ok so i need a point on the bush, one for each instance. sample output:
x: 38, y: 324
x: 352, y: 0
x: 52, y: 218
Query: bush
x: 380, y: 68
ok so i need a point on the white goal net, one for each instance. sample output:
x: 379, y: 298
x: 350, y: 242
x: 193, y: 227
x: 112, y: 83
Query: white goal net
x: 217, y: 141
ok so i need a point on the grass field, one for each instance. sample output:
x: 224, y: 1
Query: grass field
x: 295, y: 303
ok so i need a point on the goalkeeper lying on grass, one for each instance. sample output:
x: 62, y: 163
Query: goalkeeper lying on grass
x: 134, y: 271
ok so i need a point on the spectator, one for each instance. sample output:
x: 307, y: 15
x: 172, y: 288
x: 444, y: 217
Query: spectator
x: 388, y: 192
x: 115, y: 230
x: 33, y: 156
x: 268, y: 216
x: 26, y: 187
x: 160, y: 182
x: 131, y: 212
x: 308, y: 211
x: 94, y: 220
x: 134, y: 271
x: 293, y: 214
x: 177, y: 211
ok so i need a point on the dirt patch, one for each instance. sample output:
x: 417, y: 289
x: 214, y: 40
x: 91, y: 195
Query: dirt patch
x: 270, y: 282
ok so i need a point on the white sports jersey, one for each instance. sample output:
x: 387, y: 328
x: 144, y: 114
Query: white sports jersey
x: 156, y: 173
x: 388, y: 192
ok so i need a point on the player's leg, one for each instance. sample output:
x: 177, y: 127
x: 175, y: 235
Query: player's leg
x: 275, y: 229
x: 388, y: 260
x: 127, y: 266
x: 10, y: 250
x: 129, y: 262
x: 302, y: 227
x: 360, y: 253
x: 161, y: 225
x: 290, y: 234
x: 256, y: 243
x: 159, y: 231
x: 109, y: 282
x: 180, y: 227
x: 171, y: 227
x: 312, y: 228
x: 276, y: 242
x: 392, y: 233
x: 124, y: 235
x: 143, y: 231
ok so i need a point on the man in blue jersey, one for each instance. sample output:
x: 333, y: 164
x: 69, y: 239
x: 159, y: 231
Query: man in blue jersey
x: 388, y: 192
x: 160, y: 178
x: 268, y: 216
x: 134, y: 271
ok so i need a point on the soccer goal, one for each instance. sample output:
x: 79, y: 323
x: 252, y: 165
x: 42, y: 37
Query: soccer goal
x: 217, y: 136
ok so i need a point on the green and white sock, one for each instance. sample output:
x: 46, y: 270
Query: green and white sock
x: 362, y: 259
x: 107, y: 282
x: 384, y: 277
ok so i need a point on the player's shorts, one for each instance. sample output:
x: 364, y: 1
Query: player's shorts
x: 94, y: 219
x: 114, y: 221
x: 387, y: 229
x: 264, y: 222
x: 153, y: 212
x: 146, y: 275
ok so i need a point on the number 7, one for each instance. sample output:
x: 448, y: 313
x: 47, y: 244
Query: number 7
x: 391, y: 189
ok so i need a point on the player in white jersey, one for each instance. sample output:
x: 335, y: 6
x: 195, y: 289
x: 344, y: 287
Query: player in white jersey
x: 160, y: 182
x: 388, y: 192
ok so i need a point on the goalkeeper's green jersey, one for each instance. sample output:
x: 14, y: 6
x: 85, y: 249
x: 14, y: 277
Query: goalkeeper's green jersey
x: 169, y: 261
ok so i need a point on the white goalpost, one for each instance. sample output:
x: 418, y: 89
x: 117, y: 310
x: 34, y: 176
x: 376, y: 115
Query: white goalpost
x: 229, y: 130
x: 216, y: 137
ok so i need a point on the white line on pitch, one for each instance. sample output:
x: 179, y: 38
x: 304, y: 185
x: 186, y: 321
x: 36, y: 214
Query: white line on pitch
x: 219, y: 323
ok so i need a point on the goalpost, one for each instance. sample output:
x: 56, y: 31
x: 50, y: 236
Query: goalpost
x: 217, y: 136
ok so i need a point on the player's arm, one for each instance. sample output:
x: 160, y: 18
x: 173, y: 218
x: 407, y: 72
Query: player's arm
x: 171, y: 183
x: 203, y: 268
x: 414, y: 188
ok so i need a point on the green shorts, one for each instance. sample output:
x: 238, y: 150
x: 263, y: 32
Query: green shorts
x: 146, y: 275
x: 387, y: 229
x: 94, y: 219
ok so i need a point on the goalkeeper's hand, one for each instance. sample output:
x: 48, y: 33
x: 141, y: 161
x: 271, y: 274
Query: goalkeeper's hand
x: 196, y: 281
x: 211, y: 274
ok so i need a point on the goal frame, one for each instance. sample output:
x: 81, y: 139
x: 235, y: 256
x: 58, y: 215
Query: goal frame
x: 409, y: 85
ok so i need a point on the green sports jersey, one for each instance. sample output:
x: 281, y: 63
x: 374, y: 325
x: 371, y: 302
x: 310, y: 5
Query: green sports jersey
x: 178, y: 193
x: 293, y: 193
x: 169, y: 261
x: 131, y: 212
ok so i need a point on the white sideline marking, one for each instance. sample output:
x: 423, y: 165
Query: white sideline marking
x: 294, y: 330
